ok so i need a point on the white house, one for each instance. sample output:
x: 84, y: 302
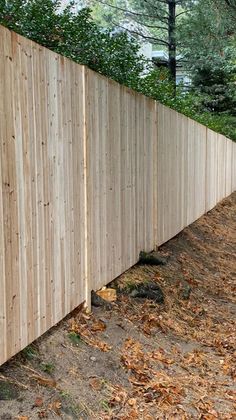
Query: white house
x: 160, y: 58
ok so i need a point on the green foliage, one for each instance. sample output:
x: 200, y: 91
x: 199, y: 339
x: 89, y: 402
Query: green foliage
x: 105, y: 15
x: 221, y: 123
x: 75, y: 338
x: 190, y: 104
x: 156, y: 84
x: 47, y: 367
x: 8, y: 391
x: 30, y: 352
x: 74, y: 35
x: 209, y: 49
x: 215, y: 81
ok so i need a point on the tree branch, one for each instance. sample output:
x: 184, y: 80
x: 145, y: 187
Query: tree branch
x: 182, y: 13
x: 161, y: 1
x: 153, y: 38
x: 163, y: 19
x: 146, y: 25
x: 158, y: 8
x: 231, y: 3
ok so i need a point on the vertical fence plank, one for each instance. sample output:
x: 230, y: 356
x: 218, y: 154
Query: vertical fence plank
x: 4, y: 37
x: 228, y: 169
x: 9, y: 201
x: 211, y: 170
x: 233, y: 166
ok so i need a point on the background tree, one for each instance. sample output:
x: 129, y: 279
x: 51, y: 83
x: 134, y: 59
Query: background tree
x: 231, y: 4
x: 208, y: 45
x: 158, y: 17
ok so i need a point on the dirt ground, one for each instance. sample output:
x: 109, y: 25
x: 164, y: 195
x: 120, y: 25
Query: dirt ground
x: 143, y: 360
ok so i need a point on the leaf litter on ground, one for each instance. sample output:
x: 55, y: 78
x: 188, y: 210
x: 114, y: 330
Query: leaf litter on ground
x: 150, y: 361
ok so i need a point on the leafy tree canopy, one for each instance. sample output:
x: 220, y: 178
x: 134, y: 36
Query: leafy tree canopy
x: 208, y: 45
x: 74, y: 35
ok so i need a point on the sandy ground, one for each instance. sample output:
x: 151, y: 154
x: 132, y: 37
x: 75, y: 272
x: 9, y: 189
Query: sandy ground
x: 143, y: 360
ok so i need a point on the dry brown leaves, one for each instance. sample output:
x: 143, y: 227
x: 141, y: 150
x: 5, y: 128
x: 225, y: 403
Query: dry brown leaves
x: 98, y: 326
x: 136, y: 360
x: 87, y: 327
x: 161, y: 356
x: 150, y: 322
x: 55, y: 407
x: 197, y: 373
x: 229, y: 366
x: 44, y: 381
x: 119, y: 396
x: 96, y: 384
x: 194, y: 358
x: 206, y: 410
x: 152, y: 386
x: 22, y: 418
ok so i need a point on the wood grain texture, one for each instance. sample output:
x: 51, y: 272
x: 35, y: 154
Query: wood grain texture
x: 120, y: 160
x: 181, y: 175
x: 42, y: 195
x: 91, y: 173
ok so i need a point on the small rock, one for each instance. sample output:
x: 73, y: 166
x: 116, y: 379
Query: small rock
x: 185, y: 292
x: 93, y: 359
x: 107, y: 294
x: 148, y: 290
x: 99, y: 301
x: 151, y: 258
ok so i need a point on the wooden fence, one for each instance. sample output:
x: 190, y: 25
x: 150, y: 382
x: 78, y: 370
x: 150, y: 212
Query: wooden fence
x: 91, y: 173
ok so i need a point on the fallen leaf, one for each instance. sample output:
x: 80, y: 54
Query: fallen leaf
x: 132, y: 402
x: 45, y: 381
x: 132, y: 415
x: 119, y: 396
x: 38, y: 402
x: 102, y: 346
x: 160, y: 356
x: 42, y: 414
x: 98, y: 326
x: 96, y: 384
x: 88, y: 336
x: 55, y: 406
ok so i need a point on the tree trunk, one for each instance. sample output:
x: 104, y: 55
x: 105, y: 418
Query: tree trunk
x: 172, y: 39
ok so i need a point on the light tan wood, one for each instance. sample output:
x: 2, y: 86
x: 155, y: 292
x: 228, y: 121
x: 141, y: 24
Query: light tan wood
x: 228, y: 164
x: 211, y: 170
x: 233, y: 166
x: 42, y: 208
x: 91, y: 173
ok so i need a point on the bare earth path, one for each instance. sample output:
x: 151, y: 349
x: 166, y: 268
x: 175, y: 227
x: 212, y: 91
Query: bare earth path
x: 143, y: 360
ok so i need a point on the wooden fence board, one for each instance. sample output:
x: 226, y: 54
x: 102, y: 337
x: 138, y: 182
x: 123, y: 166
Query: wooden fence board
x: 211, y: 170
x: 42, y: 178
x: 228, y: 167
x: 233, y: 166
x: 181, y: 172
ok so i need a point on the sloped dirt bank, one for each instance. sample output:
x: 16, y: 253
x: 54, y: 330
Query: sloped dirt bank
x: 143, y: 360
